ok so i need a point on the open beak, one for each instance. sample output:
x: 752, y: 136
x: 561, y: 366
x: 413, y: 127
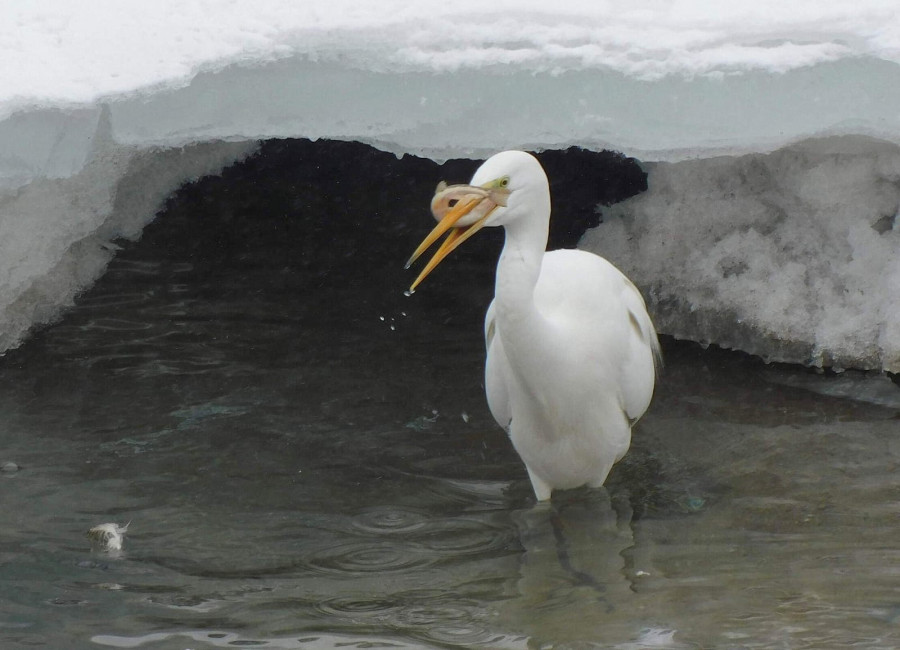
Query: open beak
x: 451, y: 205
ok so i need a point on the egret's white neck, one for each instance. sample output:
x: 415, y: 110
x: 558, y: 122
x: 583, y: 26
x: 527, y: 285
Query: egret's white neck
x: 517, y: 274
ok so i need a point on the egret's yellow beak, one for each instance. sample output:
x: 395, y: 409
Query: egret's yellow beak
x: 465, y: 209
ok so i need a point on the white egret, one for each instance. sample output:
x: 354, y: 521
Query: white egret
x: 572, y: 354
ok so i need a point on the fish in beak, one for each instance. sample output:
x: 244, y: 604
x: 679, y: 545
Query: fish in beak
x: 463, y: 210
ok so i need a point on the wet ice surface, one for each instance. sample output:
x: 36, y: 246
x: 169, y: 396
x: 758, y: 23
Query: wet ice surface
x: 307, y: 461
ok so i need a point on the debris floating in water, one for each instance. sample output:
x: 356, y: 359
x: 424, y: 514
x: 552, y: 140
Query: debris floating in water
x: 9, y: 467
x: 107, y: 537
x: 693, y: 504
x: 423, y: 422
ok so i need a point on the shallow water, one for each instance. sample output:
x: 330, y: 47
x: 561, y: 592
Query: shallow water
x: 315, y: 467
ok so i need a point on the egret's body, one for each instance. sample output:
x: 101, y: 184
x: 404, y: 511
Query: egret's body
x: 571, y: 350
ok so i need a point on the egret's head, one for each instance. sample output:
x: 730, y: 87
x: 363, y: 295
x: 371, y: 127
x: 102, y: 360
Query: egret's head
x: 509, y: 185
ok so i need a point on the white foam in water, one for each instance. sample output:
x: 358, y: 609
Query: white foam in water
x: 653, y: 638
x: 103, y: 96
x: 231, y: 640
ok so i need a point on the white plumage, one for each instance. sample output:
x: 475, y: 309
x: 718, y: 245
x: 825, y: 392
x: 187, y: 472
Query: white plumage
x: 571, y: 351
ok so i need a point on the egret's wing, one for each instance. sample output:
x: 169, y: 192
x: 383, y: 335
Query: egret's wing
x: 637, y: 313
x: 605, y: 313
x: 496, y: 372
x: 644, y: 359
x: 490, y: 325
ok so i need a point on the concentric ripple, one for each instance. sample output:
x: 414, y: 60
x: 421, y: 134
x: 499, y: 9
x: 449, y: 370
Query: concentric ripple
x: 359, y: 607
x: 447, y: 621
x: 434, y: 613
x: 390, y: 520
x: 467, y: 635
x: 465, y: 537
x: 365, y: 557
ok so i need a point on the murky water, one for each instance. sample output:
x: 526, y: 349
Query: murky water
x: 315, y: 467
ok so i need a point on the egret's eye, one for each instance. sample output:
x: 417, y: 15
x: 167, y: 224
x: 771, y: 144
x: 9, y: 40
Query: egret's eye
x: 452, y: 202
x: 504, y: 181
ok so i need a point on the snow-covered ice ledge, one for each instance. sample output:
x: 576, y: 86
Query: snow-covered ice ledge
x: 763, y: 229
x: 792, y: 255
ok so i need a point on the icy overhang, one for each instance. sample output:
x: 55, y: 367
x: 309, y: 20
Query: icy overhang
x: 661, y: 81
x: 472, y: 113
x: 103, y: 118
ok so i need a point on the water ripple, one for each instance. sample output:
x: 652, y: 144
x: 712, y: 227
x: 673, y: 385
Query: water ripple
x: 365, y: 557
x: 449, y: 621
x: 117, y: 300
x: 465, y: 537
x: 387, y: 519
x: 449, y: 537
x: 232, y: 640
x: 436, y: 613
x: 359, y: 607
x: 469, y: 635
x: 117, y: 325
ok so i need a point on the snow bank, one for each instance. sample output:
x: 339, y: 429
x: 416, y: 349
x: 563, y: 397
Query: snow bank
x: 79, y: 50
x: 661, y: 80
x: 110, y: 105
x: 792, y: 255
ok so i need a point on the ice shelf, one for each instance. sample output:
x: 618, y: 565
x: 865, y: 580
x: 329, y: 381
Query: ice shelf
x: 769, y: 133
